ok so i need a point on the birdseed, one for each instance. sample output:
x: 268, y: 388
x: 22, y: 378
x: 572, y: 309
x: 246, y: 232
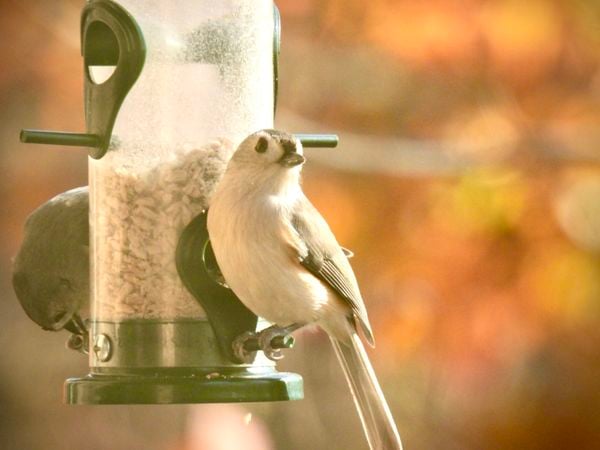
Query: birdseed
x: 138, y: 215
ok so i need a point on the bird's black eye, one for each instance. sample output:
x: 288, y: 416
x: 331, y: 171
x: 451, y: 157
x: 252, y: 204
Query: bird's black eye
x: 261, y: 145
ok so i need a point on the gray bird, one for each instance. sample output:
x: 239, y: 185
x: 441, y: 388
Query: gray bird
x: 51, y: 270
x: 279, y: 256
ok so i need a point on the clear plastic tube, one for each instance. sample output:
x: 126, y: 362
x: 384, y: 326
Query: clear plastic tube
x: 207, y: 83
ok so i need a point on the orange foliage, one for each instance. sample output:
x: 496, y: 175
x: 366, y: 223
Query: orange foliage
x: 483, y: 286
x: 425, y: 34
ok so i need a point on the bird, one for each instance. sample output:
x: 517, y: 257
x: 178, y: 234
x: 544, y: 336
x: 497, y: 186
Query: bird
x: 51, y: 272
x: 280, y: 257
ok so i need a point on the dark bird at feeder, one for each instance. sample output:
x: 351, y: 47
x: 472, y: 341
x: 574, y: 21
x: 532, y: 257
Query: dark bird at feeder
x: 281, y: 259
x: 51, y: 270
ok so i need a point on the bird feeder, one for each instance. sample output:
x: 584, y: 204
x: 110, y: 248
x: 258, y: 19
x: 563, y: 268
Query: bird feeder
x: 171, y: 88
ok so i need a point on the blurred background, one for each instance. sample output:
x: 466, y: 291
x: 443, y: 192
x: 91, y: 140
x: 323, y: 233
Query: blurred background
x: 467, y: 184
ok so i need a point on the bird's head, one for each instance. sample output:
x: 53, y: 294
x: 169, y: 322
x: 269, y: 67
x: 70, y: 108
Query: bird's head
x: 271, y: 151
x: 48, y: 300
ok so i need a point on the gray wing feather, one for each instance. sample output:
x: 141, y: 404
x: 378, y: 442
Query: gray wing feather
x: 325, y: 259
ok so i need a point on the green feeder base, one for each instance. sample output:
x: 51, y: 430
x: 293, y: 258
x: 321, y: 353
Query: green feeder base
x: 166, y: 387
x: 163, y: 362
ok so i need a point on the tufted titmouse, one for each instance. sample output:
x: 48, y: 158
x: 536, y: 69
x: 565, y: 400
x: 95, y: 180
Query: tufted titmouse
x: 281, y: 259
x: 51, y: 274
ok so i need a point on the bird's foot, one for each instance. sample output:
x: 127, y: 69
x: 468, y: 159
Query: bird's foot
x: 78, y: 342
x: 79, y: 339
x: 270, y: 341
x: 273, y: 339
x: 244, y: 346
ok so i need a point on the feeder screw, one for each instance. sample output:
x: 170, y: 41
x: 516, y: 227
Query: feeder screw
x: 102, y: 348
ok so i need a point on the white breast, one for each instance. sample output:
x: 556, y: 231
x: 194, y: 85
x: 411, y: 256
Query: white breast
x: 258, y: 263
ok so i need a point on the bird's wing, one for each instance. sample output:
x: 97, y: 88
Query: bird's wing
x: 319, y: 252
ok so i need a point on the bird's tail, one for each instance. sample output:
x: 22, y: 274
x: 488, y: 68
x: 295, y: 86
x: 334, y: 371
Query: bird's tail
x: 377, y: 421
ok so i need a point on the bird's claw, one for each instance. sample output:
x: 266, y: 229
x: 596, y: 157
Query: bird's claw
x: 80, y: 337
x: 79, y: 343
x: 270, y: 341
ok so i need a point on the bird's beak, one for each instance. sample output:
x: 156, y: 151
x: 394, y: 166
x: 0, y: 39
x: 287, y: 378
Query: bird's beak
x: 291, y: 157
x: 59, y: 321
